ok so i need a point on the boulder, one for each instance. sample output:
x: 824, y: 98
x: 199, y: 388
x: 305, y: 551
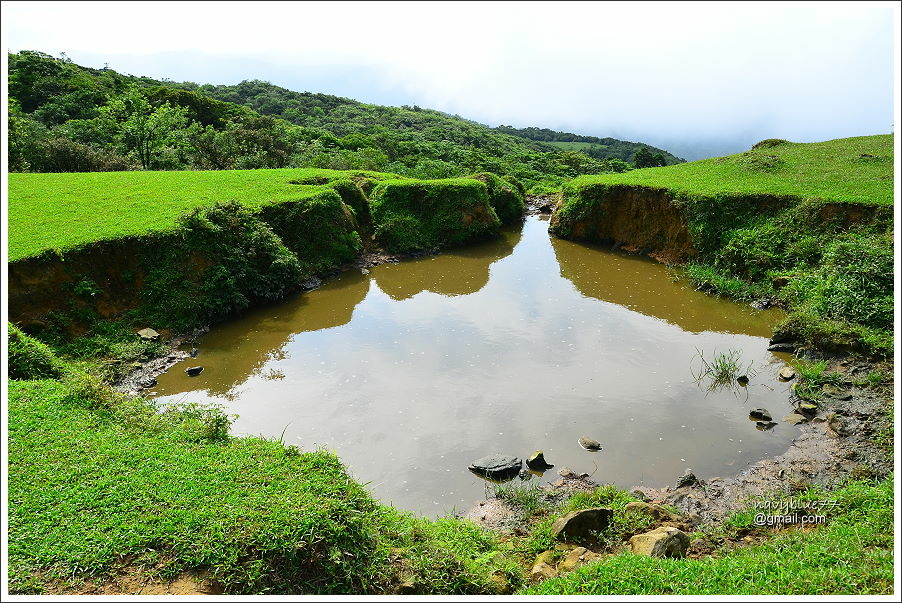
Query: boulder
x: 807, y: 408
x: 687, y: 479
x: 742, y: 380
x: 781, y: 347
x: 194, y: 352
x: 543, y: 569
x: 497, y: 466
x: 575, y: 558
x: 787, y: 373
x: 194, y: 371
x: 765, y: 425
x: 795, y: 418
x: 656, y: 512
x: 665, y: 541
x: 589, y: 444
x: 578, y: 525
x: 537, y: 462
x: 146, y: 382
x: 148, y: 334
x: 761, y: 414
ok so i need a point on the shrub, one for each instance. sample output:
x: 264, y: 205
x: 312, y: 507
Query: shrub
x: 28, y: 358
x: 505, y: 196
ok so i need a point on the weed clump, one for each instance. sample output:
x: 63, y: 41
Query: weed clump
x: 28, y: 358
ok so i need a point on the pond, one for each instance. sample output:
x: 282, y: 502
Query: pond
x: 414, y: 370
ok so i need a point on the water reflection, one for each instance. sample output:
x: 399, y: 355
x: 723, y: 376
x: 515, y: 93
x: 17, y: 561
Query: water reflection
x: 455, y: 272
x: 643, y: 285
x: 415, y: 370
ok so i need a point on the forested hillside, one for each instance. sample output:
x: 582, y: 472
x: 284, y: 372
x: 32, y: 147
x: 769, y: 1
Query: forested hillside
x: 68, y: 118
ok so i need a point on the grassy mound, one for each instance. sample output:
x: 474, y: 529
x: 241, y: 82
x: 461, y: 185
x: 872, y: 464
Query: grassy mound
x: 28, y: 358
x: 62, y: 211
x: 422, y: 215
x: 808, y: 226
x: 506, y: 196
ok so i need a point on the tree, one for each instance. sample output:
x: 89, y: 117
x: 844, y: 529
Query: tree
x: 643, y: 158
x: 142, y: 129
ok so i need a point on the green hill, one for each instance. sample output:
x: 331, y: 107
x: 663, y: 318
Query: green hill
x: 68, y: 118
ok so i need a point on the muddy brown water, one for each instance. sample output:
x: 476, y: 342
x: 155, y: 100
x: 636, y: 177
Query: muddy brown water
x: 526, y: 342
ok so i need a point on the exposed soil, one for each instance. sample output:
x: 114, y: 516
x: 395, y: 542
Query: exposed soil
x: 137, y: 581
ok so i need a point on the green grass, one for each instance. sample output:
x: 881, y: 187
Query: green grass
x: 854, y: 170
x: 852, y: 554
x: 60, y: 211
x: 806, y: 225
x: 100, y: 482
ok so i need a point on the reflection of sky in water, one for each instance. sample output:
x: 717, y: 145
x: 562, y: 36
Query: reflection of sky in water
x: 409, y: 388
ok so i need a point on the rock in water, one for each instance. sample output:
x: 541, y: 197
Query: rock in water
x: 662, y: 542
x: 194, y: 371
x: 781, y: 347
x: 786, y: 373
x: 761, y: 414
x: 147, y: 382
x: 194, y: 352
x: 590, y: 444
x: 795, y: 418
x: 687, y: 479
x: 578, y: 525
x: 148, y: 335
x: 497, y: 466
x: 537, y: 462
x: 742, y: 380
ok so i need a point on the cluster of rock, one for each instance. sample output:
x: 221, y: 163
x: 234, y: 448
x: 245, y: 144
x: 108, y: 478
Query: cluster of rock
x: 579, y: 528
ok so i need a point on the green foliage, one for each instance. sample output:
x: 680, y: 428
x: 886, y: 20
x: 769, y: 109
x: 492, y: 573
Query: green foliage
x: 220, y: 260
x: 28, y: 358
x: 423, y: 215
x: 505, y: 196
x: 255, y: 124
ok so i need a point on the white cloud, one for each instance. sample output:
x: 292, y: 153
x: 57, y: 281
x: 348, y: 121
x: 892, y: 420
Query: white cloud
x: 652, y: 70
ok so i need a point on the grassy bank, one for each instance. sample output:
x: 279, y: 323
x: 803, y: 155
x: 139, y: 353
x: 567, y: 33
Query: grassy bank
x: 851, y: 555
x: 808, y: 226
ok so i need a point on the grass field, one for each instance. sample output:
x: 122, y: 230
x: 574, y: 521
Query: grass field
x: 60, y: 211
x: 856, y: 170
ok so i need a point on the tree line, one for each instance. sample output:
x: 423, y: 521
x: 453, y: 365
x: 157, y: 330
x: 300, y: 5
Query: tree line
x: 64, y: 117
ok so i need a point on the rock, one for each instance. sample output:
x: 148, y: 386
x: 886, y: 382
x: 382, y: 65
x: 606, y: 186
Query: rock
x: 537, y: 462
x: 573, y: 560
x: 787, y: 373
x: 840, y: 426
x: 702, y: 546
x: 567, y: 473
x: 146, y: 382
x: 640, y: 495
x: 781, y: 347
x: 830, y: 389
x: 761, y: 304
x: 148, y: 334
x: 497, y: 466
x: 781, y: 338
x: 364, y: 271
x: 194, y: 352
x: 765, y: 425
x: 578, y: 525
x: 525, y: 475
x: 687, y: 479
x: 194, y: 371
x: 807, y: 408
x: 742, y: 380
x: 761, y: 414
x: 500, y: 585
x: 665, y: 541
x: 795, y: 419
x: 656, y: 512
x: 311, y: 283
x: 541, y: 571
x: 589, y: 444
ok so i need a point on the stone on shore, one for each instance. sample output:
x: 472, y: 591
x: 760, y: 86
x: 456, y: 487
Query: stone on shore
x: 665, y: 541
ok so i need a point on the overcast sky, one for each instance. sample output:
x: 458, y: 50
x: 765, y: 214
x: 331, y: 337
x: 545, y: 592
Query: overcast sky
x: 695, y: 78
